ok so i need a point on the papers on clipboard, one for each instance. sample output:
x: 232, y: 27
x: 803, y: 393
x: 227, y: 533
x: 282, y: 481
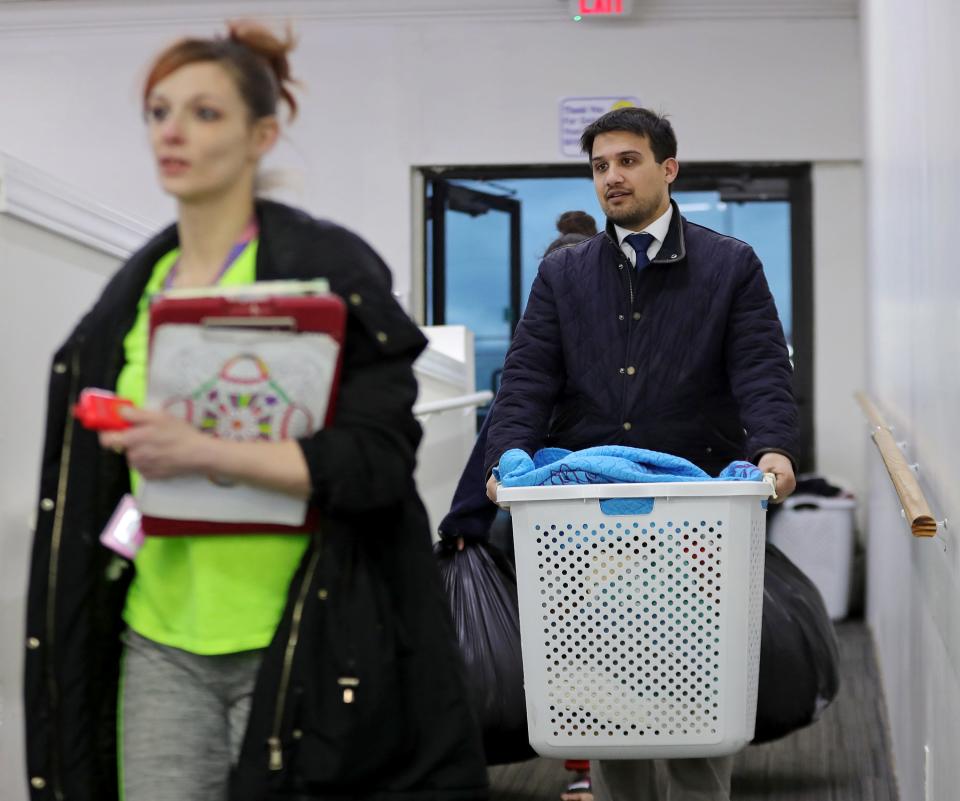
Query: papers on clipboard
x: 254, y: 362
x: 259, y: 289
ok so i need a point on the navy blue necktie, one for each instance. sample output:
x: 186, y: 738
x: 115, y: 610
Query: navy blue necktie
x: 640, y: 243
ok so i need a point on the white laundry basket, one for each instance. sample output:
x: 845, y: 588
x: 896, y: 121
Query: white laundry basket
x: 816, y: 534
x: 640, y: 626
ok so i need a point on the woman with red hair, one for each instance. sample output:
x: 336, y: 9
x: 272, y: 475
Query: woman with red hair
x: 252, y: 666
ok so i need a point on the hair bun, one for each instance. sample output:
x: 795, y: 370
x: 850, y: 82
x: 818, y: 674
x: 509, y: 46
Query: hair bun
x: 263, y: 42
x: 576, y: 222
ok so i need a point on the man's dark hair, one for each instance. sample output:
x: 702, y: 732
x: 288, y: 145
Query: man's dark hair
x: 641, y: 121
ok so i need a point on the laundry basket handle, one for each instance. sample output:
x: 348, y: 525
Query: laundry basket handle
x: 771, y: 479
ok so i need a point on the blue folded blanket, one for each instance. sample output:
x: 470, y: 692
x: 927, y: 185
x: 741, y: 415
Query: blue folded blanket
x: 608, y: 464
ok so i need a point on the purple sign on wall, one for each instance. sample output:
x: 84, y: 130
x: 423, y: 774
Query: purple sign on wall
x: 576, y: 113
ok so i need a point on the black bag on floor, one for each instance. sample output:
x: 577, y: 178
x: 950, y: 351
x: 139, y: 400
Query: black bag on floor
x: 482, y: 588
x: 799, y: 656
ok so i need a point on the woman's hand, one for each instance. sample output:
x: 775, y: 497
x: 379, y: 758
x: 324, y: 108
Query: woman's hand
x: 159, y: 445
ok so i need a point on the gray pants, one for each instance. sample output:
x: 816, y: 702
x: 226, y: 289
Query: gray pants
x: 662, y: 779
x: 183, y: 719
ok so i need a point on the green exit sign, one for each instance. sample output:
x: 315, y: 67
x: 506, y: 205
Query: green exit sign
x: 600, y: 9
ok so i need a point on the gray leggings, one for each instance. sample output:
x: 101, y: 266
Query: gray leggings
x: 662, y: 779
x: 183, y: 718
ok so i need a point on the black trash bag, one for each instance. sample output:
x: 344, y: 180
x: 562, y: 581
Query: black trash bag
x: 799, y: 655
x: 482, y: 587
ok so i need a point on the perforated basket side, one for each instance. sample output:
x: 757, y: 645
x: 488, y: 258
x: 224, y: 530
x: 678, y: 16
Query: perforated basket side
x: 621, y: 622
x: 758, y: 529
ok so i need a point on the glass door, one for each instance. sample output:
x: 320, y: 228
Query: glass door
x: 473, y: 279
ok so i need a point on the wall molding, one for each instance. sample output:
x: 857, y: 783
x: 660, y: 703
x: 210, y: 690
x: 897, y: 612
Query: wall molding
x: 31, y: 195
x: 91, y: 16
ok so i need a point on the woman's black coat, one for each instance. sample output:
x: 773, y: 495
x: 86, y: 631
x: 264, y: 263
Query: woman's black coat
x: 365, y: 612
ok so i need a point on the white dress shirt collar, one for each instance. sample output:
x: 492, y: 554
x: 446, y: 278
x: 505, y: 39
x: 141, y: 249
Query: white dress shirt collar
x: 658, y: 229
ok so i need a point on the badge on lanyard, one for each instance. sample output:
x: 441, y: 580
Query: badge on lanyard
x: 123, y: 532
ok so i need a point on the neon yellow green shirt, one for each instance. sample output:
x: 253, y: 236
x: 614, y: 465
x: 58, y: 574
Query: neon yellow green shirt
x: 207, y: 595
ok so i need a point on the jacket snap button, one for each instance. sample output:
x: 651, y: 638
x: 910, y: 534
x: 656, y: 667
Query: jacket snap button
x: 619, y: 316
x: 627, y: 426
x: 631, y: 370
x: 381, y: 337
x: 47, y: 505
x: 38, y: 782
x: 322, y: 595
x: 59, y: 368
x: 33, y: 643
x: 637, y: 315
x: 622, y: 371
x: 673, y: 255
x: 297, y: 734
x: 355, y: 299
x: 709, y: 450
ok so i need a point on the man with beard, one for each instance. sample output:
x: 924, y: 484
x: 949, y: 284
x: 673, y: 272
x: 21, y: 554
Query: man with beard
x: 657, y: 333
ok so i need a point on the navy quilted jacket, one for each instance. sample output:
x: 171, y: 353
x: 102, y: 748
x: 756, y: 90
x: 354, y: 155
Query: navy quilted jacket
x: 688, y: 357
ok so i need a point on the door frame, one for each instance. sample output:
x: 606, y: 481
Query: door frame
x: 436, y: 207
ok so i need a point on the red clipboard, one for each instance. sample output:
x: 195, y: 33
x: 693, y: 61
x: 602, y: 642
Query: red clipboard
x: 316, y: 313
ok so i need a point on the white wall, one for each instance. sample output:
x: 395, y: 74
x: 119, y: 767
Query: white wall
x: 384, y: 92
x: 914, y: 349
x: 390, y: 85
x: 839, y: 324
x: 445, y: 372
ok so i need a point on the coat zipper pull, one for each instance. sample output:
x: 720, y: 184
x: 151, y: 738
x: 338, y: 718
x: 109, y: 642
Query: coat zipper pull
x: 276, y: 753
x: 348, y: 683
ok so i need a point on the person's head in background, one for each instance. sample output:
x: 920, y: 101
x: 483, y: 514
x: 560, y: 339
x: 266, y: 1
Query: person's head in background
x: 211, y: 112
x: 633, y: 157
x: 574, y: 226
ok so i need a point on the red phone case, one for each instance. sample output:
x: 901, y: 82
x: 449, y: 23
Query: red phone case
x: 99, y: 410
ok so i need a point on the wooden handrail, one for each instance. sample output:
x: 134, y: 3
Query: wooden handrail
x: 915, y: 506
